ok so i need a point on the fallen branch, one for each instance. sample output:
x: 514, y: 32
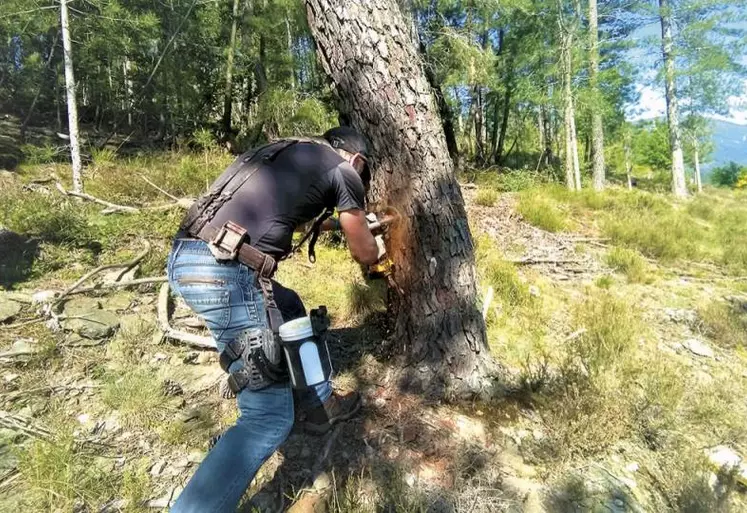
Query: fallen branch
x: 125, y: 265
x: 88, y: 197
x: 159, y: 189
x: 23, y: 425
x: 21, y: 324
x: 174, y: 334
x: 120, y: 284
x: 12, y: 396
x: 534, y: 261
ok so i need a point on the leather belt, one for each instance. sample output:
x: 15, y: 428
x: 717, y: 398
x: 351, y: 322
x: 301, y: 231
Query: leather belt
x: 248, y: 255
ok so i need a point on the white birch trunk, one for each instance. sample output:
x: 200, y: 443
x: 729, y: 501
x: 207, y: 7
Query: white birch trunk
x: 72, y: 109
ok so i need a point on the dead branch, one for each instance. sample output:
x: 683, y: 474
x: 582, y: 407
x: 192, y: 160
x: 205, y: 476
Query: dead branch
x: 125, y: 265
x: 21, y: 324
x: 88, y: 197
x: 120, y: 284
x: 51, y: 389
x: 535, y: 261
x: 174, y: 334
x: 159, y: 189
x: 23, y: 425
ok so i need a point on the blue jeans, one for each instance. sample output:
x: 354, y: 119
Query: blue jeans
x: 225, y: 295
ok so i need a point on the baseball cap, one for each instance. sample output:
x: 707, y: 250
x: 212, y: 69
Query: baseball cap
x: 348, y: 139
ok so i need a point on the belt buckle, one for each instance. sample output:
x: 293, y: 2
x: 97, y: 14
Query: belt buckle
x: 226, y: 243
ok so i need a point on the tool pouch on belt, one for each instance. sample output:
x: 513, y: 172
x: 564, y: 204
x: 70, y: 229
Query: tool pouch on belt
x: 262, y: 362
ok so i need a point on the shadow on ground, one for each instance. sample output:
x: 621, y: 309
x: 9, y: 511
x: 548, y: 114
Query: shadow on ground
x: 400, y: 454
x: 17, y: 256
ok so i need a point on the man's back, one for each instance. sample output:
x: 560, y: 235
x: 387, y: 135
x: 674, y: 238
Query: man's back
x: 296, y: 186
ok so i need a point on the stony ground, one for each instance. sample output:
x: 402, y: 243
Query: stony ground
x: 96, y: 388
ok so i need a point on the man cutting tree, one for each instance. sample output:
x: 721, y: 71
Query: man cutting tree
x: 221, y: 263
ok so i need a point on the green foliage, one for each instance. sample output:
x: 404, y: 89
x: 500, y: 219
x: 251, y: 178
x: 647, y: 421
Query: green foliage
x: 629, y: 263
x: 36, y: 155
x: 486, y: 197
x: 47, y: 216
x: 203, y: 139
x: 541, y: 212
x: 728, y: 175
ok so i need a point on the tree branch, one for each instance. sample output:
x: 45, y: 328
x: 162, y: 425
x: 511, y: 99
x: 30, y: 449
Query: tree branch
x: 169, y: 332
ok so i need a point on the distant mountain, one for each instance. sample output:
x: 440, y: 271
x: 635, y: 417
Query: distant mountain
x: 730, y: 144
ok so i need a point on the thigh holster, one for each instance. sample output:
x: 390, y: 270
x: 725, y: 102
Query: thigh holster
x: 261, y: 358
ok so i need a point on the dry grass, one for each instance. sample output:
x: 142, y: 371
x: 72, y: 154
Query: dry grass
x: 724, y: 323
x: 486, y: 197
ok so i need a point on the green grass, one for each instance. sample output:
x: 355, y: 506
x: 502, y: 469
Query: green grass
x: 503, y: 276
x: 628, y: 262
x: 486, y: 197
x: 541, y: 212
x: 58, y: 474
x: 364, y: 299
x: 137, y: 394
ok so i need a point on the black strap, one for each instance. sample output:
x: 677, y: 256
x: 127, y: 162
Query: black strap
x: 312, y: 232
x: 223, y: 189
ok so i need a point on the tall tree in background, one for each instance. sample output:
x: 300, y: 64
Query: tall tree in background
x: 367, y: 51
x: 228, y: 94
x: 72, y: 106
x: 568, y: 25
x: 597, y: 128
x: 679, y: 185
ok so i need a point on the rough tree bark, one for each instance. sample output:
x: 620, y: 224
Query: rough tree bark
x: 679, y: 186
x: 377, y: 74
x: 228, y: 91
x: 72, y: 107
x: 597, y: 129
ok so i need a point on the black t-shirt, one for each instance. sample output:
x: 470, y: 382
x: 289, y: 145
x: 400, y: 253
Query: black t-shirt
x: 295, y: 187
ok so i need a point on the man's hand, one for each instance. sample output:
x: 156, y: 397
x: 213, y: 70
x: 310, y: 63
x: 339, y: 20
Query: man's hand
x: 363, y: 247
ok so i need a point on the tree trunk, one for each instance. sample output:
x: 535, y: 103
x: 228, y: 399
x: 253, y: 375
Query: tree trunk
x: 289, y: 37
x: 72, y: 108
x: 129, y: 95
x: 597, y: 129
x: 572, y: 170
x: 696, y: 158
x: 228, y: 91
x: 504, y: 125
x: 479, y: 113
x: 679, y: 186
x: 377, y: 74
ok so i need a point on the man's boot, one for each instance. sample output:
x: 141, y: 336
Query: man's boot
x: 335, y: 409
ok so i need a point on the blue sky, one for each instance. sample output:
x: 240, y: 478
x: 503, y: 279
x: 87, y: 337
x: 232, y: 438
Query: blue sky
x: 651, y: 103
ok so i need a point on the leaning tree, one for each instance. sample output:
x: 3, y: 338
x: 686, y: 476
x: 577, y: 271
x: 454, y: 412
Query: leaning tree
x: 368, y: 52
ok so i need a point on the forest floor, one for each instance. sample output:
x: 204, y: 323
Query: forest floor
x: 620, y: 318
